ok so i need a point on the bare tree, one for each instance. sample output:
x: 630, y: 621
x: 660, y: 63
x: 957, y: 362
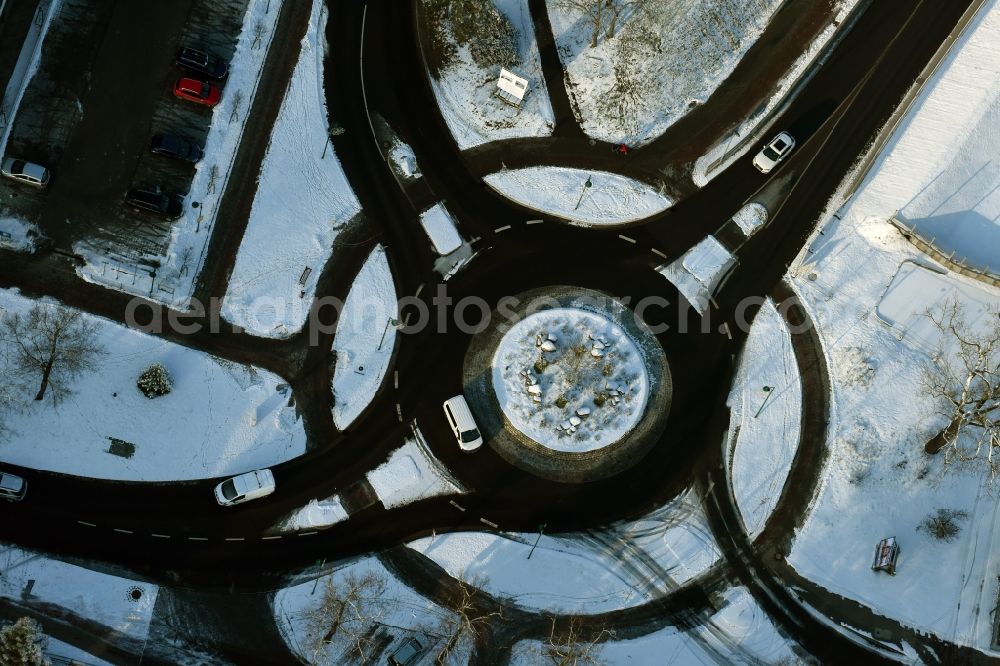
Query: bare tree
x: 350, y: 608
x: 602, y: 15
x: 966, y: 383
x: 569, y: 644
x: 473, y: 614
x: 51, y: 346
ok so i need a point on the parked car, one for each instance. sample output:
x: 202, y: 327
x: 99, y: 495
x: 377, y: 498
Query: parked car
x: 155, y: 200
x: 197, y: 91
x: 245, y: 487
x: 463, y: 425
x: 775, y: 151
x: 25, y: 172
x: 12, y: 488
x: 410, y: 651
x: 169, y: 145
x: 202, y: 63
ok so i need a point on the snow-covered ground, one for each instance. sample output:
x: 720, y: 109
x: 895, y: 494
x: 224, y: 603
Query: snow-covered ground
x: 18, y: 235
x: 739, y: 633
x: 750, y: 218
x: 219, y: 418
x: 620, y: 566
x: 630, y: 88
x: 412, y: 473
x: 440, y: 228
x: 766, y: 433
x: 394, y: 611
x: 753, y: 130
x: 466, y: 91
x: 878, y: 481
x: 179, y: 269
x: 698, y: 272
x: 611, y: 199
x: 123, y: 605
x: 578, y: 358
x: 303, y: 199
x: 365, y: 337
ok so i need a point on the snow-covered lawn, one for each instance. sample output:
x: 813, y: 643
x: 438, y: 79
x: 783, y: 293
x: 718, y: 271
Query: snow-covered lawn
x: 698, y: 272
x: 620, y: 566
x: 18, y: 235
x: 739, y: 633
x: 91, y: 595
x: 303, y: 199
x: 365, y: 337
x: 179, y: 268
x: 440, y: 228
x: 878, y: 481
x: 204, y: 427
x: 765, y: 443
x: 750, y: 218
x: 466, y: 91
x: 658, y: 66
x: 570, y: 379
x: 611, y: 199
x: 395, y: 613
x: 412, y: 473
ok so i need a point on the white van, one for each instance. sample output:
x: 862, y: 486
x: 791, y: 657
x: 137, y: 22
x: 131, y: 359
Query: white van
x: 456, y: 410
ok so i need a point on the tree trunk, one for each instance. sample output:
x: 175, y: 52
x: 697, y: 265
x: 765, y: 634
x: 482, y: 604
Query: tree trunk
x: 943, y: 438
x: 45, y: 379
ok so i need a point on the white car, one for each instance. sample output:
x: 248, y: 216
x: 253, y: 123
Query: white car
x: 775, y: 151
x: 12, y: 488
x: 245, y: 487
x: 25, y: 172
x: 462, y: 424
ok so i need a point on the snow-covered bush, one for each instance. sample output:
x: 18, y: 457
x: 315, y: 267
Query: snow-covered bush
x: 943, y: 525
x: 154, y: 381
x: 21, y: 643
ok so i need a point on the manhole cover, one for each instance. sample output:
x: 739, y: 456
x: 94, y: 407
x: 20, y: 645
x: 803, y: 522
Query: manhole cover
x: 134, y: 594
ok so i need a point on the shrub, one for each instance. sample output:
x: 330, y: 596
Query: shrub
x: 154, y: 381
x: 943, y: 525
x: 21, y: 643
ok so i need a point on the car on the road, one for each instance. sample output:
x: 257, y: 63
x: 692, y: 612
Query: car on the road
x: 197, y: 91
x: 12, y: 487
x: 245, y: 487
x: 776, y: 150
x: 152, y: 199
x: 24, y: 171
x: 410, y: 651
x: 169, y: 145
x: 202, y: 63
x: 462, y: 423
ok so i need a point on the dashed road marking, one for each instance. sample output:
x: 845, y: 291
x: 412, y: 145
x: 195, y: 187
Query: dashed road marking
x: 269, y: 538
x: 503, y: 228
x: 235, y: 539
x: 399, y: 412
x: 456, y: 505
x: 121, y: 531
x: 725, y: 329
x: 627, y: 239
x: 159, y: 536
x: 419, y: 289
x: 658, y: 253
x: 534, y: 221
x: 395, y: 379
x: 713, y: 302
x: 490, y: 523
x: 86, y: 524
x: 191, y: 538
x: 307, y: 533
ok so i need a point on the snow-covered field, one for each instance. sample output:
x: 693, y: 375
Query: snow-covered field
x: 765, y: 442
x: 878, y: 481
x: 611, y: 199
x: 303, y: 199
x: 94, y: 596
x: 394, y: 613
x: 630, y: 88
x: 18, y: 235
x: 365, y: 337
x: 698, y: 272
x: 620, y: 566
x: 578, y: 358
x: 739, y: 633
x: 219, y: 418
x: 412, y: 473
x: 466, y: 91
x: 179, y: 269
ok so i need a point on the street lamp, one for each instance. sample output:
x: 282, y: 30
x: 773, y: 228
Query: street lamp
x: 767, y: 394
x: 390, y: 320
x: 541, y: 528
x: 586, y: 186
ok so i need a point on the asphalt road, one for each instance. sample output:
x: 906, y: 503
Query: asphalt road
x: 156, y: 528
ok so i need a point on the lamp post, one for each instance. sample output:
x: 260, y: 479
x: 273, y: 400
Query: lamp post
x: 586, y: 186
x: 390, y: 320
x: 767, y: 394
x: 541, y: 528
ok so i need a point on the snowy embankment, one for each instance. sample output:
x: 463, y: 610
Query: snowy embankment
x: 764, y: 426
x: 303, y: 199
x: 466, y: 91
x: 753, y: 130
x: 219, y: 417
x: 123, y: 606
x: 879, y: 482
x: 179, y: 269
x: 664, y: 60
x: 611, y: 199
x: 412, y: 473
x: 699, y: 271
x: 317, y: 514
x: 18, y: 235
x: 365, y: 337
x: 622, y: 566
x: 739, y: 633
x: 385, y: 610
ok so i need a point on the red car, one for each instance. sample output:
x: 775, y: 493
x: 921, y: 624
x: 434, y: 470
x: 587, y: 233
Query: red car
x: 199, y: 92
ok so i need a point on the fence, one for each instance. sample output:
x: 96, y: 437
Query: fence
x: 947, y: 260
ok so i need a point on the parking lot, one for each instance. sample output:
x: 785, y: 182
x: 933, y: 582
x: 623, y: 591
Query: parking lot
x: 103, y: 89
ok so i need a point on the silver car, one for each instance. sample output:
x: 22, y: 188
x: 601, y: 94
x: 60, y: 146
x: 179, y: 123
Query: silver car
x: 776, y: 150
x: 25, y: 172
x: 12, y: 488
